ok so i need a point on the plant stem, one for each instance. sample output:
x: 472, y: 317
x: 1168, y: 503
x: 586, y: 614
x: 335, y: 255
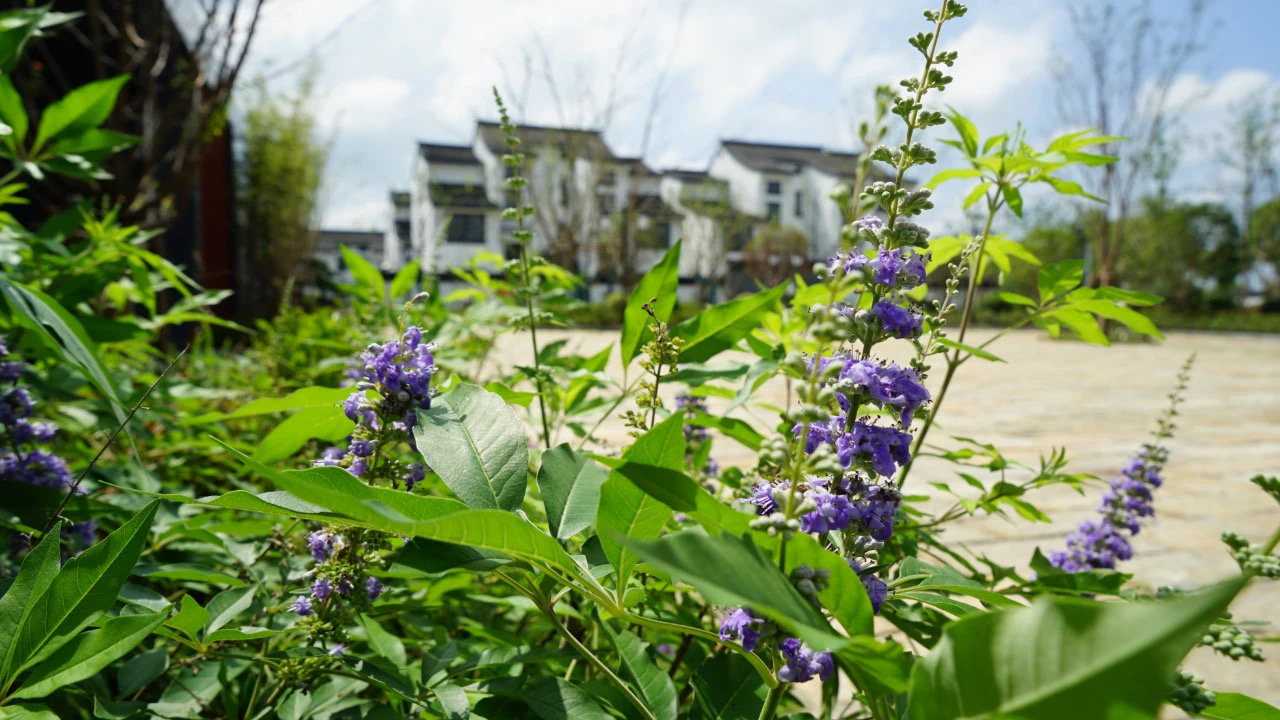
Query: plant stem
x: 765, y: 673
x: 953, y: 362
x: 533, y: 337
x: 771, y: 702
x: 915, y: 115
x: 599, y: 665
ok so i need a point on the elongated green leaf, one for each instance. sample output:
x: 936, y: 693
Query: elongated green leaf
x: 12, y: 113
x: 84, y: 108
x: 1131, y: 319
x: 85, y: 588
x: 879, y: 666
x: 429, y: 556
x: 726, y: 687
x: 300, y: 399
x: 140, y: 670
x: 1063, y: 658
x: 384, y: 643
x: 453, y: 701
x: 1135, y: 298
x: 656, y: 688
x: 476, y: 444
x: 976, y: 352
x: 1013, y: 298
x: 719, y: 327
x: 976, y: 194
x: 626, y: 512
x: 1013, y: 196
x: 1234, y: 706
x: 88, y: 653
x: 190, y: 618
x: 658, y: 285
x: 323, y: 423
x: 364, y: 272
x: 570, y: 485
x: 404, y: 280
x: 35, y: 575
x: 697, y: 374
x: 558, y: 699
x: 760, y: 372
x: 275, y: 502
x: 27, y: 711
x: 737, y: 429
x: 1059, y: 278
x: 952, y: 174
x: 731, y: 570
x: 226, y: 605
x: 514, y: 397
x: 1081, y: 323
x: 62, y: 333
x: 347, y: 496
x: 967, y: 130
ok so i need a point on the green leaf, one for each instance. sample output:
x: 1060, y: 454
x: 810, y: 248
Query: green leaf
x: 952, y: 174
x: 322, y: 423
x: 557, y: 699
x: 1135, y: 298
x: 63, y: 333
x: 626, y: 511
x: 1081, y: 323
x: 191, y: 617
x: 476, y: 444
x: 1234, y: 706
x: 726, y: 687
x: 1059, y: 278
x: 404, y: 280
x: 967, y: 130
x: 1013, y: 196
x: 17, y: 28
x: 976, y: 194
x: 85, y: 588
x: 570, y: 485
x: 453, y: 700
x: 93, y: 144
x: 89, y: 653
x: 1063, y: 658
x: 759, y: 373
x: 514, y: 397
x: 384, y: 643
x: 339, y: 491
x: 731, y: 570
x: 35, y: 575
x: 658, y: 285
x: 140, y: 670
x: 226, y: 605
x: 656, y: 688
x: 737, y: 429
x: 84, y: 108
x: 976, y: 352
x: 363, y: 272
x: 12, y: 113
x: 301, y: 399
x: 697, y: 374
x: 1131, y: 319
x: 1013, y: 298
x: 719, y: 327
x: 27, y: 711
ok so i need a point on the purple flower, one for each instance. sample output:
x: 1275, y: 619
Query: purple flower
x: 320, y: 544
x: 738, y: 624
x: 344, y: 586
x: 834, y: 512
x: 802, y: 663
x: 885, y: 449
x: 331, y: 456
x: 697, y: 406
x: 870, y: 223
x: 415, y: 475
x: 302, y: 606
x: 876, y: 588
x: 322, y: 589
x: 898, y: 321
x: 363, y: 448
x: 338, y: 650
x: 762, y: 496
x: 373, y: 588
x: 15, y: 404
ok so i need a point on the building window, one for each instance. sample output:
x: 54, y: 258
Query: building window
x: 466, y: 229
x: 608, y: 177
x: 564, y: 193
x: 773, y: 187
x: 799, y: 203
x: 775, y: 211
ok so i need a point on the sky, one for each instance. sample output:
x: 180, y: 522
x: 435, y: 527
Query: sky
x: 391, y: 73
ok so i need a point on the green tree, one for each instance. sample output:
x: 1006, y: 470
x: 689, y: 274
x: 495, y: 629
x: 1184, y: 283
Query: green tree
x: 280, y: 174
x: 1189, y: 254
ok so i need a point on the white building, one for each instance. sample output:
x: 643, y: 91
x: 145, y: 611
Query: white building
x: 585, y: 196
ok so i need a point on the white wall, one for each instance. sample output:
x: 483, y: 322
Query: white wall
x: 746, y: 189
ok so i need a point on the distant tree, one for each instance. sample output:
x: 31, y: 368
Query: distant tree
x: 1191, y: 255
x: 1250, y: 148
x: 1263, y: 240
x: 1115, y: 75
x: 279, y: 186
x: 775, y: 254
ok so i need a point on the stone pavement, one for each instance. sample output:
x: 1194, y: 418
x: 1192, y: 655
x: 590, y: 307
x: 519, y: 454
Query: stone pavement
x: 1101, y: 403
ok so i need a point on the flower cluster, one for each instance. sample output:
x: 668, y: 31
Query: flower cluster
x: 341, y: 571
x: 1102, y: 542
x: 21, y: 457
x: 399, y: 375
x: 802, y: 664
x: 896, y: 268
x: 743, y: 626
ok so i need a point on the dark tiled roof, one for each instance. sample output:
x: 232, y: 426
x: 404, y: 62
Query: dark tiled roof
x: 790, y: 159
x: 691, y: 176
x: 459, y: 196
x: 331, y: 239
x: 588, y: 144
x: 453, y: 154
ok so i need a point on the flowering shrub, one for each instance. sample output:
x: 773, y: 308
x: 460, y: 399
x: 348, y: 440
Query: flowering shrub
x: 436, y: 554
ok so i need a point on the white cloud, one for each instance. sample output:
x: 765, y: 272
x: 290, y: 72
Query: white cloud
x: 994, y: 60
x: 369, y: 213
x: 364, y: 104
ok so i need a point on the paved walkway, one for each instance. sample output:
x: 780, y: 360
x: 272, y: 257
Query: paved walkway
x: 1100, y: 404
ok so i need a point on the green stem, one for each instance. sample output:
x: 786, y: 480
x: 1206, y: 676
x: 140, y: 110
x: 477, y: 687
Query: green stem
x: 765, y: 673
x: 533, y: 337
x: 771, y: 702
x: 599, y: 665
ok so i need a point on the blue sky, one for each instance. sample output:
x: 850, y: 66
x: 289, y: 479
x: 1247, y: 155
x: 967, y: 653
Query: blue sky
x: 400, y: 71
